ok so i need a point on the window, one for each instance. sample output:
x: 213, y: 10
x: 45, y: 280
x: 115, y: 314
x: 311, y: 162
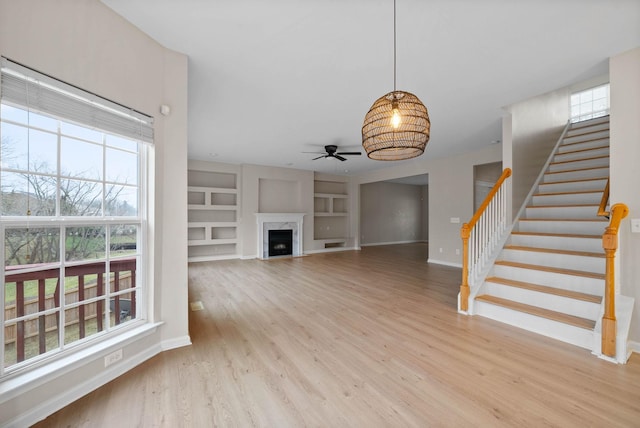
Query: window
x: 72, y: 216
x: 590, y: 104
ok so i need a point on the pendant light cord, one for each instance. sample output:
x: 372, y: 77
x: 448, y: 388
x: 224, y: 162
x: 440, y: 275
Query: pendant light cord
x: 394, y: 45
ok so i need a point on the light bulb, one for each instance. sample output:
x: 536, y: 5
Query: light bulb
x: 396, y: 118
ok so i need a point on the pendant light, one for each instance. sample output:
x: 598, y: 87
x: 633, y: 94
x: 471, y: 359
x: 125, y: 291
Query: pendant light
x: 397, y: 125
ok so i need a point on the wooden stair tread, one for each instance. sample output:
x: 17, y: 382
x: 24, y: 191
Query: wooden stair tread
x: 576, y: 170
x: 579, y: 160
x: 539, y: 312
x: 580, y: 180
x: 559, y: 235
x: 550, y: 269
x: 601, y: 220
x: 581, y: 150
x: 575, y: 192
x: 563, y: 206
x: 554, y: 251
x: 593, y: 131
x: 583, y: 141
x: 545, y: 289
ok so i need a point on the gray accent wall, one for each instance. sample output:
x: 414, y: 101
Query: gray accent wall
x: 392, y: 213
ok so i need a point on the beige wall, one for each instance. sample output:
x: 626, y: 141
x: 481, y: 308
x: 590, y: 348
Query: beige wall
x: 86, y: 44
x: 624, y: 72
x: 390, y: 213
x: 529, y: 134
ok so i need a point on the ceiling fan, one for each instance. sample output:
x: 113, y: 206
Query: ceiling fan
x: 332, y: 152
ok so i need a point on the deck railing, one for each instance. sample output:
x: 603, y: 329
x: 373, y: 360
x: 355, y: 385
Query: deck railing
x: 482, y: 234
x: 91, y: 286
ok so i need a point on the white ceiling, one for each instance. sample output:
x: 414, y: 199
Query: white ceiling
x: 271, y: 79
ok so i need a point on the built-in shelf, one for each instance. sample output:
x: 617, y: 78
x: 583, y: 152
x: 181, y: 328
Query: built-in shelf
x: 331, y: 214
x: 212, y: 214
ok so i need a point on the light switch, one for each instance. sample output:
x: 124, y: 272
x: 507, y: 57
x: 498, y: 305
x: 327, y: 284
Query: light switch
x: 455, y: 219
x: 635, y: 225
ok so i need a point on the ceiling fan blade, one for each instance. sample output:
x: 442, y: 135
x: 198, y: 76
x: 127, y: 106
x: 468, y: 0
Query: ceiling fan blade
x: 319, y: 157
x: 337, y: 156
x: 349, y: 153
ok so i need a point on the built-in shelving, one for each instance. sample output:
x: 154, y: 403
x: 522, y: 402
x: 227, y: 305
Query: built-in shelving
x: 331, y: 213
x: 212, y: 214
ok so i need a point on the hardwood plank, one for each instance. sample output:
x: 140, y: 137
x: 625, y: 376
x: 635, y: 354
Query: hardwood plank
x: 365, y: 338
x: 585, y: 323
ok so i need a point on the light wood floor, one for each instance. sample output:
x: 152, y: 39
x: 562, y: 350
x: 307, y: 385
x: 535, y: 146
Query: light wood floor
x: 356, y: 339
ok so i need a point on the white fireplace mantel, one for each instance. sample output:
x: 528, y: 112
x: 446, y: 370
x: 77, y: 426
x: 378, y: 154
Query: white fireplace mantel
x: 279, y: 221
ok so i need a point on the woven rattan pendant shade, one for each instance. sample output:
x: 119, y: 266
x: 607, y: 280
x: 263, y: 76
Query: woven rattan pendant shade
x: 397, y: 125
x: 384, y: 141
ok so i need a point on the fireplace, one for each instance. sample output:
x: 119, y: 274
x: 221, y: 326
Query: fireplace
x: 268, y: 222
x: 280, y: 242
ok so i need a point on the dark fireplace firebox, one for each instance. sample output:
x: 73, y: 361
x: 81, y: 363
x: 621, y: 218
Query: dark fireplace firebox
x: 280, y: 242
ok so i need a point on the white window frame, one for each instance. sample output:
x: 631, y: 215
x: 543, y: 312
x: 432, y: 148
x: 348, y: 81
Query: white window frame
x: 141, y: 289
x: 576, y: 105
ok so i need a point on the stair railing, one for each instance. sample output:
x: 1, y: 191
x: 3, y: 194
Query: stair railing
x: 610, y: 245
x: 482, y: 234
x: 602, y: 209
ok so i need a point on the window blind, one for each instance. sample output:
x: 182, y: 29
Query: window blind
x: 30, y: 89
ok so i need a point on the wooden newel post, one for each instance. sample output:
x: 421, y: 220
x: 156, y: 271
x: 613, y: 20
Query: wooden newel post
x: 465, y: 231
x: 610, y: 245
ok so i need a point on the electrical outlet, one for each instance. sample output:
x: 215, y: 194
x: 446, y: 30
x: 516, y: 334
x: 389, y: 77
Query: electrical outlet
x: 457, y: 251
x: 635, y: 225
x: 455, y: 220
x: 113, y: 357
x: 440, y: 249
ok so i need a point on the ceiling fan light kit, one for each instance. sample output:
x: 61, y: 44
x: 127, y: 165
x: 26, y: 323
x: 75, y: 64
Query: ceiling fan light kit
x: 397, y: 125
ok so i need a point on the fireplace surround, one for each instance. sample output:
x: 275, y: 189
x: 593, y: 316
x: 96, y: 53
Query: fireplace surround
x: 279, y: 221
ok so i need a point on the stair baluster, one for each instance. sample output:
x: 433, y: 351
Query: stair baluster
x: 478, y: 243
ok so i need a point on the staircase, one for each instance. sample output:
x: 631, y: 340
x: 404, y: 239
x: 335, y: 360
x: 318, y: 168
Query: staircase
x: 549, y: 277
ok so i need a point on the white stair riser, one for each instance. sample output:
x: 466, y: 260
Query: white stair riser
x: 557, y: 242
x: 556, y: 330
x: 551, y: 279
x: 586, y: 137
x: 563, y: 148
x: 566, y: 199
x: 590, y: 122
x: 576, y: 175
x: 573, y: 186
x: 587, y: 212
x: 577, y: 130
x: 564, y: 261
x: 570, y: 227
x: 582, y: 154
x: 579, y: 164
x: 578, y: 308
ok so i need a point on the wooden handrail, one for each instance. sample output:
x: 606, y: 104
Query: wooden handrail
x: 610, y: 245
x: 505, y: 174
x: 602, y: 209
x: 465, y: 232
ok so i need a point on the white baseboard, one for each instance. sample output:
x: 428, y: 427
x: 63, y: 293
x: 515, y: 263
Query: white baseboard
x: 413, y: 241
x: 248, y: 257
x: 442, y: 262
x: 633, y: 346
x: 177, y: 342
